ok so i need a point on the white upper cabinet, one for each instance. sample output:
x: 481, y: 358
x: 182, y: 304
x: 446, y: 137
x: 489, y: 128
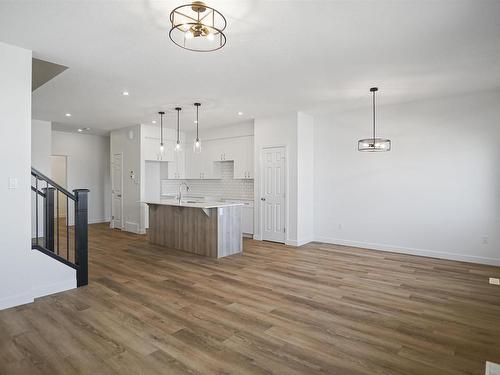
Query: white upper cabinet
x: 242, y: 152
x: 151, y: 150
x: 176, y: 168
x: 206, y: 165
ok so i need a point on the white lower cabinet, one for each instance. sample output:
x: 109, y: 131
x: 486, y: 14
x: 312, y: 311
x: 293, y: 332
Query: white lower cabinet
x: 247, y: 219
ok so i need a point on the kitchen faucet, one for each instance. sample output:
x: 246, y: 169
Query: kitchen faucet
x: 180, y: 190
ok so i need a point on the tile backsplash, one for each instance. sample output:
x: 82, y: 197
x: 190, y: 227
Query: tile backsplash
x: 226, y: 187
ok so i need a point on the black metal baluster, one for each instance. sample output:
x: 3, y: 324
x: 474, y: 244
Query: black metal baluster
x: 67, y: 228
x: 36, y: 209
x: 57, y: 223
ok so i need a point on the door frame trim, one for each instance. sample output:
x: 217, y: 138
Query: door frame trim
x: 260, y: 187
x: 111, y: 223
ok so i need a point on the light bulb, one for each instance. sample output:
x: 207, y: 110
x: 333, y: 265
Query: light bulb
x: 161, y: 148
x: 188, y: 35
x: 210, y: 36
x: 177, y: 146
x: 197, y: 146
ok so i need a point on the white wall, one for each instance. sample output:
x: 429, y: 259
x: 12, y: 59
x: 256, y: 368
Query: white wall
x: 41, y: 144
x: 305, y: 178
x: 24, y: 274
x: 87, y: 168
x: 437, y: 193
x: 274, y: 131
x: 15, y: 160
x: 133, y: 215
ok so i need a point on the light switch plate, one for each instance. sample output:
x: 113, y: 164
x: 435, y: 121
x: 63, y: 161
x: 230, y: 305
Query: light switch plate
x: 13, y: 183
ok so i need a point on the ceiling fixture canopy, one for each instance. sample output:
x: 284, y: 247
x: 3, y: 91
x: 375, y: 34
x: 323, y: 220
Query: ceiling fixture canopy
x: 197, y: 27
x: 197, y: 142
x: 374, y: 144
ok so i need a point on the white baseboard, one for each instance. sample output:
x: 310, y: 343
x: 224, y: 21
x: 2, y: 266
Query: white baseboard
x: 133, y: 227
x: 99, y: 221
x: 45, y: 290
x: 298, y: 242
x: 412, y: 251
x: 12, y: 301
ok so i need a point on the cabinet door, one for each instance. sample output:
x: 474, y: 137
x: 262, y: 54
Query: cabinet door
x: 180, y: 163
x: 243, y: 160
x: 247, y: 219
x: 193, y: 165
x: 151, y: 149
x: 249, y: 157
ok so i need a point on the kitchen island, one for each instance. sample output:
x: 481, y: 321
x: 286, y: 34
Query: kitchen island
x: 211, y: 229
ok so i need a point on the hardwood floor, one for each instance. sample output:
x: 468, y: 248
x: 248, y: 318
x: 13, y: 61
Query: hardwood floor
x: 319, y: 309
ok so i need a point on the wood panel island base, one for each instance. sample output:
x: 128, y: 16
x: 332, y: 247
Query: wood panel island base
x: 208, y: 229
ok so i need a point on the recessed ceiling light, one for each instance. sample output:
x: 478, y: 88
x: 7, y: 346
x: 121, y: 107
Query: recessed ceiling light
x: 68, y: 114
x: 154, y: 121
x: 81, y: 130
x: 125, y: 93
x: 240, y: 113
x: 195, y: 121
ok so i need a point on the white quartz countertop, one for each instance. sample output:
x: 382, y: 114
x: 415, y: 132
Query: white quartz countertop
x: 188, y: 203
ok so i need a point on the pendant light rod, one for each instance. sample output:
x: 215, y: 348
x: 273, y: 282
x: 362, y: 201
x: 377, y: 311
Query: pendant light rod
x: 374, y: 90
x: 178, y: 109
x: 197, y: 105
x: 161, y: 113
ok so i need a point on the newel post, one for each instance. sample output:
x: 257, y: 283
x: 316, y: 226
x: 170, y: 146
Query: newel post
x: 81, y: 236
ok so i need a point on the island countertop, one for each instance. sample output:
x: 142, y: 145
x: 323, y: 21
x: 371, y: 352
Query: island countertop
x: 191, y: 204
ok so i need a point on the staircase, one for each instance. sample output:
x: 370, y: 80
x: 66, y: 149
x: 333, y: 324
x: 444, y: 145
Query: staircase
x: 61, y: 224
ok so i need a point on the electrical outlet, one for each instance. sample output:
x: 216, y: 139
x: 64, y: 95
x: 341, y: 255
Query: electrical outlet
x: 494, y: 281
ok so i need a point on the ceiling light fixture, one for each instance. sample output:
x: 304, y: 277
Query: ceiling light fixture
x: 125, y: 93
x: 68, y: 115
x: 161, y: 113
x: 81, y: 130
x: 178, y: 144
x: 374, y: 144
x: 240, y: 113
x: 153, y: 122
x: 197, y: 27
x: 197, y: 142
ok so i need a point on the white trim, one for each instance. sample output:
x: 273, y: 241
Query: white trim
x: 287, y: 192
x: 12, y: 301
x: 98, y: 221
x: 45, y: 290
x: 412, y: 251
x: 492, y: 368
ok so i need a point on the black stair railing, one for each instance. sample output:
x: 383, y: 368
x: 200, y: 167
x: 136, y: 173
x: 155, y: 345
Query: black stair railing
x: 59, y: 231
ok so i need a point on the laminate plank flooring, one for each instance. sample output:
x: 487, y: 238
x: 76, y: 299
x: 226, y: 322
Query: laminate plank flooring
x: 317, y: 309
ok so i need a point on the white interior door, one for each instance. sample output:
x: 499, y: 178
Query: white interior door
x: 116, y: 191
x: 272, y: 198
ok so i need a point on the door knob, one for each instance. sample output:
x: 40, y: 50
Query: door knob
x: 262, y: 199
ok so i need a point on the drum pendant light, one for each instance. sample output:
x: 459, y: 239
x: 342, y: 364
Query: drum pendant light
x: 374, y: 144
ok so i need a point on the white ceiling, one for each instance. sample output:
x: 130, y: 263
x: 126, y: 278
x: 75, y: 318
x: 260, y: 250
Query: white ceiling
x: 280, y: 56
